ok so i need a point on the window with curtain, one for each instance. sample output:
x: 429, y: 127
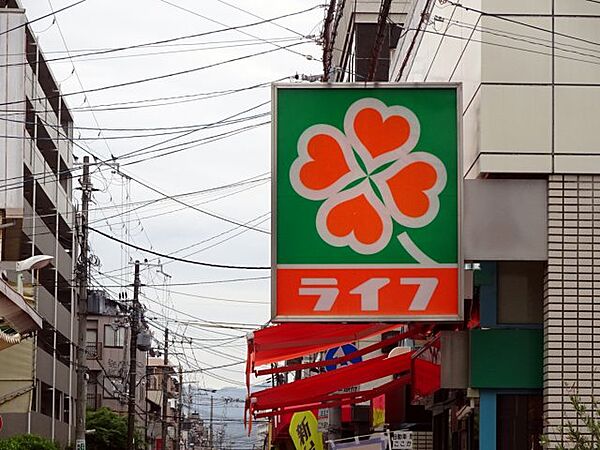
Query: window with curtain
x: 114, y: 336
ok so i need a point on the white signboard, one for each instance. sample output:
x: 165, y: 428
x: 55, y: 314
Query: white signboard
x: 402, y: 440
x: 323, y: 420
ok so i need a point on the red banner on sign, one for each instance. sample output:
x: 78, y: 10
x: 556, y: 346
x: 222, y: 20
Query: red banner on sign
x: 367, y: 292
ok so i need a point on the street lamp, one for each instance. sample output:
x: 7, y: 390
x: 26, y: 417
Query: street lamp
x: 35, y: 262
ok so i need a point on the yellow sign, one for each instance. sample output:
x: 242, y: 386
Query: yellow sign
x: 304, y: 430
x: 378, y: 408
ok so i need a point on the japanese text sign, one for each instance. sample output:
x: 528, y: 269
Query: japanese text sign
x: 366, y: 202
x: 402, y: 440
x: 304, y: 431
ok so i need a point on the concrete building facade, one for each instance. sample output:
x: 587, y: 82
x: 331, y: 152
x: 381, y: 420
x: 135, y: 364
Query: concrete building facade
x: 36, y: 162
x: 156, y: 371
x: 531, y: 168
x: 107, y: 347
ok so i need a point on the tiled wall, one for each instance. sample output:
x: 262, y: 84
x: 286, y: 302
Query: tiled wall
x: 422, y: 440
x: 572, y: 297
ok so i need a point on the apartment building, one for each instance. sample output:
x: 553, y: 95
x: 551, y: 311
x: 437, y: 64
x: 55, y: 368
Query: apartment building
x: 36, y: 163
x: 156, y: 371
x: 531, y: 199
x: 107, y: 346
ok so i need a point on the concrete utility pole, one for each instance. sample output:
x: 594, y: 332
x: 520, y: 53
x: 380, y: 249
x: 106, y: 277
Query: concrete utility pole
x: 210, y: 426
x: 135, y: 318
x: 165, y: 387
x: 179, y: 410
x: 80, y: 405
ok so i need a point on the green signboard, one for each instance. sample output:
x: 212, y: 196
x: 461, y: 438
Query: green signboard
x: 366, y: 202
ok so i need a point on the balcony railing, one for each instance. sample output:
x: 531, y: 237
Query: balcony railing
x: 93, y: 350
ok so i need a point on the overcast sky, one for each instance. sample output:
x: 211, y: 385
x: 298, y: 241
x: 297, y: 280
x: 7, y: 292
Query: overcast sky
x: 99, y: 24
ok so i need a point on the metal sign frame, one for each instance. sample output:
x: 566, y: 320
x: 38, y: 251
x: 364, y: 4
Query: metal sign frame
x: 457, y: 86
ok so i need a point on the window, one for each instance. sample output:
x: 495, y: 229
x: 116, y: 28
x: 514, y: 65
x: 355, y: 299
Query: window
x: 113, y: 387
x: 114, y: 336
x: 519, y: 422
x: 91, y: 336
x: 520, y: 292
x: 93, y: 389
x: 57, y: 405
x: 34, y: 396
x: 46, y: 393
x: 66, y: 408
x: 152, y: 383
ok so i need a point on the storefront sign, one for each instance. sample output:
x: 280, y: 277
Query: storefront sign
x: 402, y: 440
x: 374, y: 443
x: 323, y: 420
x: 304, y: 431
x: 366, y: 203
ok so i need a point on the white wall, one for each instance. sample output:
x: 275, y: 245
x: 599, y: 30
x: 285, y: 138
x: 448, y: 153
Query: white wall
x: 531, y: 98
x: 12, y: 48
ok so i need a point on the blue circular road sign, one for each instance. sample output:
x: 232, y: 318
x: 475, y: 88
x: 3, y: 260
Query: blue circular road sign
x: 337, y: 352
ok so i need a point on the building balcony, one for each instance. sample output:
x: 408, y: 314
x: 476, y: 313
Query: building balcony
x: 17, y: 316
x: 93, y: 350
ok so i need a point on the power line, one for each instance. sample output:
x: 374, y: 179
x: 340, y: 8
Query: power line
x: 144, y: 150
x: 192, y: 283
x: 220, y: 122
x: 163, y: 41
x: 259, y: 17
x: 162, y: 132
x: 136, y: 103
x: 238, y: 30
x: 190, y: 246
x: 159, y: 77
x: 195, y: 143
x: 174, y: 258
x: 525, y: 24
x: 192, y: 50
x: 53, y: 13
x: 179, y: 44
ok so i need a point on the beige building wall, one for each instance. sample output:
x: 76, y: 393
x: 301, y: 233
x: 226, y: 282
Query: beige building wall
x: 43, y: 215
x: 531, y: 107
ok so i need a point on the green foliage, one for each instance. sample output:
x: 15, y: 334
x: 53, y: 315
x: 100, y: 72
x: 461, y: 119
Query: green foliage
x: 110, y: 430
x: 27, y: 442
x: 589, y: 419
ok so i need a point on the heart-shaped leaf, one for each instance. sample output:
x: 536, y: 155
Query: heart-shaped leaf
x: 380, y: 133
x: 380, y: 136
x: 325, y: 163
x: 328, y: 163
x: 355, y: 217
x: 410, y: 188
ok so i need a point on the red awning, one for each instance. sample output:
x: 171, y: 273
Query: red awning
x: 426, y: 378
x: 412, y: 331
x: 290, y: 340
x: 347, y: 398
x: 426, y: 369
x: 319, y: 387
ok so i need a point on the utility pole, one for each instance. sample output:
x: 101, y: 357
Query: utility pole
x: 80, y: 405
x: 179, y: 410
x: 210, y: 426
x: 135, y: 312
x: 165, y: 387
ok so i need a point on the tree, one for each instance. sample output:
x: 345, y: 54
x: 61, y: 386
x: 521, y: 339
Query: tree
x: 578, y: 440
x: 27, y: 442
x: 110, y: 430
